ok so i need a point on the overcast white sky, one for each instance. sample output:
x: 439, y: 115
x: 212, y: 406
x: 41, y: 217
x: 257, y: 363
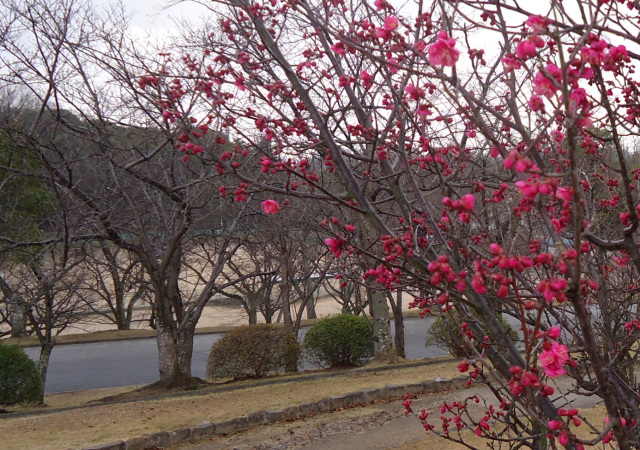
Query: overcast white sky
x: 156, y: 17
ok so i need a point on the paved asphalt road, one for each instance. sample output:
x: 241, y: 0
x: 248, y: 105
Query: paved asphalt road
x: 131, y: 362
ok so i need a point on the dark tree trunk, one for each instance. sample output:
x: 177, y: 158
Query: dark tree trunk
x: 17, y: 309
x: 18, y: 317
x: 43, y: 364
x: 121, y: 316
x: 285, y: 287
x: 383, y: 344
x: 311, y: 309
x: 152, y: 317
x: 185, y: 351
x: 252, y: 311
x: 175, y: 351
x: 398, y: 322
x: 123, y: 321
x: 119, y: 310
x: 174, y: 336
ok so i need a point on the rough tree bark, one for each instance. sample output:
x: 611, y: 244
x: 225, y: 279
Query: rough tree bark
x: 16, y: 308
x: 383, y: 342
x: 285, y: 286
x: 398, y: 322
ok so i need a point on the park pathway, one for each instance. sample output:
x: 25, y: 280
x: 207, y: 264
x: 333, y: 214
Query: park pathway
x: 378, y: 426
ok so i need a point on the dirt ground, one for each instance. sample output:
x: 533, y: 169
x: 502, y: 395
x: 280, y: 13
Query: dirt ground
x: 378, y: 426
x: 381, y: 425
x: 97, y: 424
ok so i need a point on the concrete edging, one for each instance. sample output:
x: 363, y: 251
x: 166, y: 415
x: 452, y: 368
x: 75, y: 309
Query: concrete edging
x: 208, y: 429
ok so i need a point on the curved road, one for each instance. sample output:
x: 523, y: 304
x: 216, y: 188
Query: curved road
x: 130, y: 362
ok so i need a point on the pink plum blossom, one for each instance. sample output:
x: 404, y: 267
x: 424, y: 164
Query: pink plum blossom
x: 414, y: 92
x: 495, y: 248
x: 442, y: 52
x: 536, y: 103
x: 477, y: 283
x: 510, y: 63
x: 556, y: 425
x: 553, y: 359
x: 619, y: 53
x: 391, y: 23
x: 335, y: 246
x: 382, y: 33
x: 584, y: 72
x: 420, y: 45
x: 240, y: 83
x: 338, y: 48
x: 578, y: 100
x: 468, y: 202
x: 366, y: 79
x: 543, y: 85
x: 528, y: 189
x: 595, y: 52
x: 392, y: 64
x: 521, y: 165
x: 553, y: 333
x: 565, y: 193
x: 528, y: 48
x: 537, y: 24
x: 270, y: 207
x: 557, y: 136
x: 423, y: 110
x: 563, y: 439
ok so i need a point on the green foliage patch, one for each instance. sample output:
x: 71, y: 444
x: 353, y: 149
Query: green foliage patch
x: 342, y: 340
x: 253, y: 351
x: 19, y: 379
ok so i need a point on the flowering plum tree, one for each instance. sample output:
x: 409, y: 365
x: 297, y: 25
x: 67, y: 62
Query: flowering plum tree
x: 495, y: 180
x: 500, y: 180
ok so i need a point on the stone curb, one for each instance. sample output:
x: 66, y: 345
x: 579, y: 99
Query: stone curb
x: 207, y: 429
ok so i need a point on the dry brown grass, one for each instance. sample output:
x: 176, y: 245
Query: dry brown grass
x: 105, y: 423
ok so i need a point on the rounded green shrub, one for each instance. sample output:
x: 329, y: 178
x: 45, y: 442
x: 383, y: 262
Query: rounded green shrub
x: 445, y: 335
x: 20, y: 381
x: 342, y: 340
x: 253, y: 351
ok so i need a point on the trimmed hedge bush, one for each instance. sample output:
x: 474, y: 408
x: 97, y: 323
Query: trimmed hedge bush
x: 443, y: 333
x: 253, y: 351
x: 20, y: 381
x: 342, y: 340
